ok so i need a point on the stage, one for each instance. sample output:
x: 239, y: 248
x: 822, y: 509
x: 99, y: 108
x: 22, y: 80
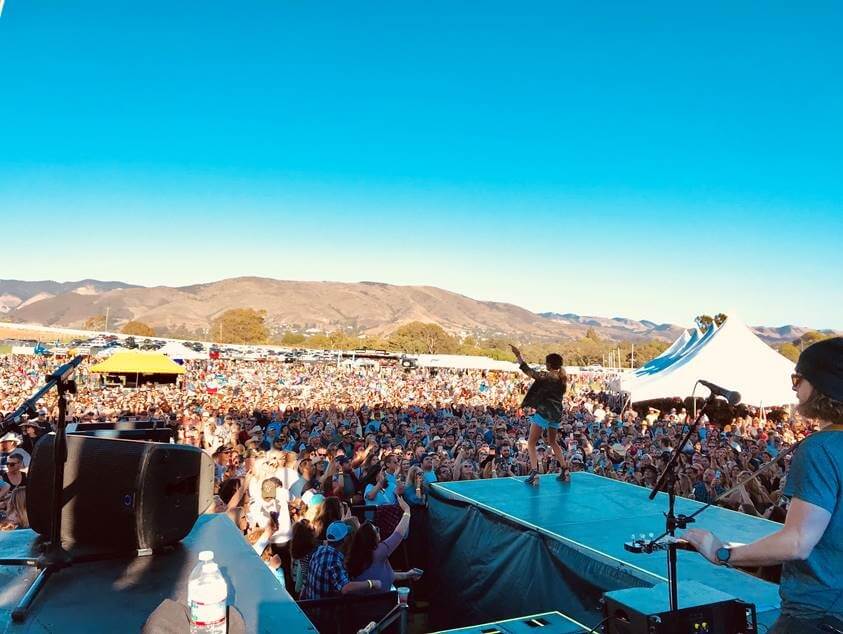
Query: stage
x: 119, y: 595
x: 501, y: 548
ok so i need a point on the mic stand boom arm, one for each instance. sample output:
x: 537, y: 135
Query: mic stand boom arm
x: 60, y: 375
x: 726, y: 494
x: 54, y: 558
x: 672, y: 522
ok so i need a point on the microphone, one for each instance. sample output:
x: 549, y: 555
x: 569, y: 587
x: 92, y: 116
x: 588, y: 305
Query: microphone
x: 733, y: 398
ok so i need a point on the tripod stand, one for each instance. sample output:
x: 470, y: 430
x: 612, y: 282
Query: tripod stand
x: 53, y: 558
x: 668, y: 479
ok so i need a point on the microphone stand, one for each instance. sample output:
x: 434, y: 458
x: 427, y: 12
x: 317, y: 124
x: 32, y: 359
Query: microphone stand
x: 53, y: 558
x: 668, y: 479
x: 725, y: 494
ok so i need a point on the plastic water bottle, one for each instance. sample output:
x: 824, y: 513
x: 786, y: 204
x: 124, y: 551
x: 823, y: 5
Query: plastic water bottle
x: 205, y: 557
x: 206, y: 598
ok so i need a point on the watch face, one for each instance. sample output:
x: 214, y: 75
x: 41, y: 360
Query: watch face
x: 723, y: 554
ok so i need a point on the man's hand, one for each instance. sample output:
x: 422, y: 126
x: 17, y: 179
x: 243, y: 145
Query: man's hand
x: 705, y: 542
x: 274, y: 562
x: 516, y: 352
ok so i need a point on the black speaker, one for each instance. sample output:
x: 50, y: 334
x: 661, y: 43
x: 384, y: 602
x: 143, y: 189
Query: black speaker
x: 153, y: 430
x: 121, y: 495
x: 702, y: 610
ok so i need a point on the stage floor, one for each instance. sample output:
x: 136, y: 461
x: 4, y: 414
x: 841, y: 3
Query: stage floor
x: 597, y: 515
x: 119, y: 595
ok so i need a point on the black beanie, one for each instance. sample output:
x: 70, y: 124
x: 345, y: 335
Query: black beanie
x: 822, y: 364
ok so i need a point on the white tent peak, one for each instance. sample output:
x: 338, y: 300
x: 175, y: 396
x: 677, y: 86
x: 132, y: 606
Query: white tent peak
x: 730, y: 355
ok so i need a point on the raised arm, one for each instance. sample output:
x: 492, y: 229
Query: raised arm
x: 526, y: 369
x: 456, y: 471
x: 403, y: 526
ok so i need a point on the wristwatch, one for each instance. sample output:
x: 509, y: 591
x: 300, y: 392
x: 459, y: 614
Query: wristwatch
x: 723, y: 554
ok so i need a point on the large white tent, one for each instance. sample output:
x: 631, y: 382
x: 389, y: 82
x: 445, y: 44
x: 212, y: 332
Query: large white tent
x: 731, y: 356
x: 180, y: 352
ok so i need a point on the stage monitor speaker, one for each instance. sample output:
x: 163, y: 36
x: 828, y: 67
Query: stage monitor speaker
x: 121, y: 495
x: 702, y: 610
x: 152, y: 430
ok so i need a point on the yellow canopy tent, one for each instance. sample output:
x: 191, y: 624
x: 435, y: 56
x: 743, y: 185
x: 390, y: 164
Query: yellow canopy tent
x: 134, y: 362
x: 140, y: 367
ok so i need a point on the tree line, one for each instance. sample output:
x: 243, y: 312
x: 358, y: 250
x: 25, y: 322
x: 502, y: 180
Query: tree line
x: 248, y: 326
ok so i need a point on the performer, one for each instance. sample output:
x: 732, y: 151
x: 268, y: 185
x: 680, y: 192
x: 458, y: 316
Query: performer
x: 545, y: 396
x: 810, y: 545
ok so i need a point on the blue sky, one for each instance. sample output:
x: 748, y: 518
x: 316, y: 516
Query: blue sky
x: 651, y: 161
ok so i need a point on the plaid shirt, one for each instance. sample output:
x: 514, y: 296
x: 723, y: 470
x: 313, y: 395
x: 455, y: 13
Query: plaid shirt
x: 326, y: 574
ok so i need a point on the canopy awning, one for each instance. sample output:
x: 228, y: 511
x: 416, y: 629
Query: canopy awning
x: 731, y: 356
x: 135, y: 362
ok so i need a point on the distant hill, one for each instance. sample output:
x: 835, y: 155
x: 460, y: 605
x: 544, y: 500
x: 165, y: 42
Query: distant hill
x: 618, y: 328
x: 15, y: 294
x: 359, y: 308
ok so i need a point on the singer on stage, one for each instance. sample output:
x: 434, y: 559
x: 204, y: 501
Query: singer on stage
x: 810, y: 545
x: 545, y: 396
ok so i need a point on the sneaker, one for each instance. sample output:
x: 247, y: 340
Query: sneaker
x: 533, y: 478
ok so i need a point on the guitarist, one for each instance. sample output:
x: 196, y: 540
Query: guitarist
x: 810, y: 545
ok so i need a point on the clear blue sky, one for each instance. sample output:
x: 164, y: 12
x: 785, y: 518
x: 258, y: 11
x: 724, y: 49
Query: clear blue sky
x: 650, y: 160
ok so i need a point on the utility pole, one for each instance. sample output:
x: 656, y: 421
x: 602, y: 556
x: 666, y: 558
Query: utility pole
x: 107, y: 309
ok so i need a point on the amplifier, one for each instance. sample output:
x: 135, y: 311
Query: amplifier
x: 150, y: 430
x: 702, y: 610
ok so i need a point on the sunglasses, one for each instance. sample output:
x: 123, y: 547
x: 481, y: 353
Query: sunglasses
x: 796, y: 379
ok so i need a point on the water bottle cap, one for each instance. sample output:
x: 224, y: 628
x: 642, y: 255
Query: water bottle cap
x: 206, y: 555
x: 210, y: 568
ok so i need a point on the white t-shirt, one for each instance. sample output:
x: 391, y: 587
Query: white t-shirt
x: 259, y: 512
x: 287, y: 476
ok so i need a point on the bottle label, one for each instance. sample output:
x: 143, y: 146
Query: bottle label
x: 207, y: 614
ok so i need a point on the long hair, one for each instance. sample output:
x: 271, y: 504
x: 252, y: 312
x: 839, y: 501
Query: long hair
x: 17, y: 505
x: 329, y: 511
x: 822, y: 407
x: 362, y: 550
x: 303, y: 540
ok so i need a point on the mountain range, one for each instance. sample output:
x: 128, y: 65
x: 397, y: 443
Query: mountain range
x: 362, y: 308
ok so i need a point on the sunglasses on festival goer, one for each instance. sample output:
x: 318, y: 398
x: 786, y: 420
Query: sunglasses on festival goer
x: 796, y: 379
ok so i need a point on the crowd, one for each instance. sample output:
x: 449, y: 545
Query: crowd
x: 297, y: 447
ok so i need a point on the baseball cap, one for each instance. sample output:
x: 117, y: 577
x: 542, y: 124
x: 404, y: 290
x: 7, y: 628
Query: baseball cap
x: 268, y: 489
x: 822, y: 364
x: 337, y: 532
x: 311, y: 498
